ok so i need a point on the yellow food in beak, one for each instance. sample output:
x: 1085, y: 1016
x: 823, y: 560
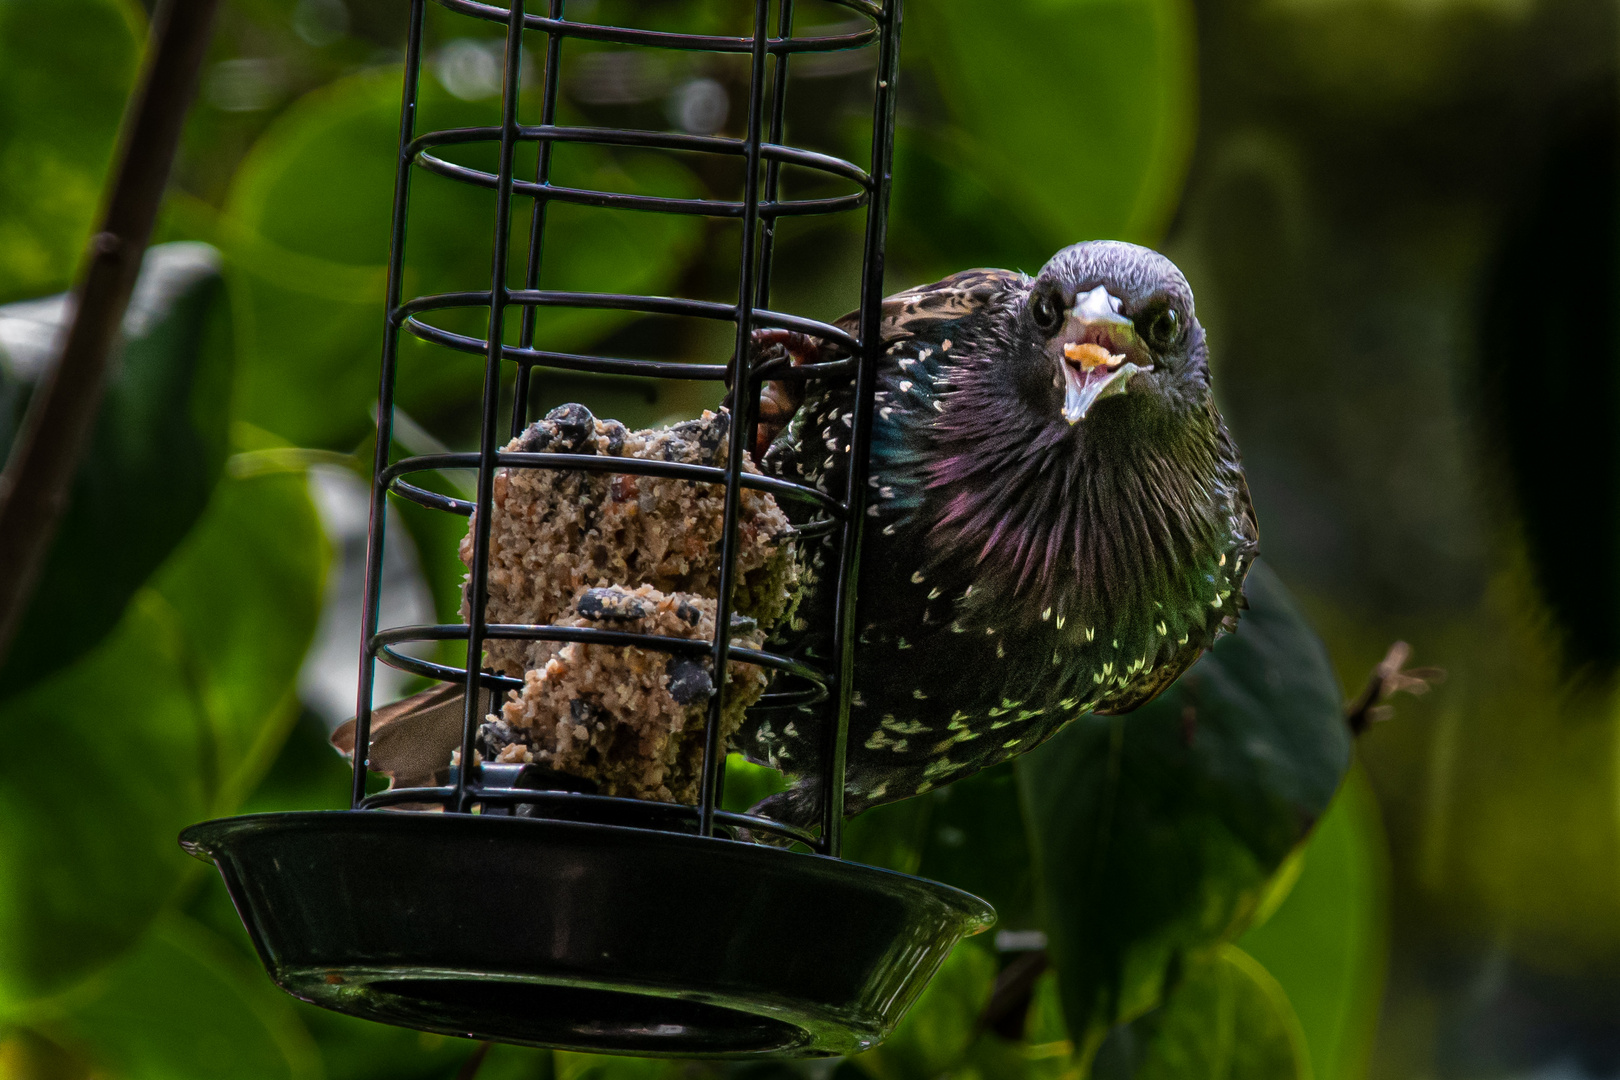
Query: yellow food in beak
x: 1091, y: 355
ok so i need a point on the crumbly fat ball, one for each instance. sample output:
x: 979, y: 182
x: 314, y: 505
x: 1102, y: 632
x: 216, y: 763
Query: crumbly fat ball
x: 629, y: 719
x: 626, y: 552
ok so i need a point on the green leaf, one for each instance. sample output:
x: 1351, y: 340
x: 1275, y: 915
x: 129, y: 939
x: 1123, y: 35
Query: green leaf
x: 747, y: 783
x: 307, y: 225
x: 65, y: 68
x: 947, y: 214
x: 976, y: 841
x: 937, y: 1030
x: 154, y: 457
x: 505, y: 1062
x: 246, y: 592
x: 891, y: 836
x: 164, y: 723
x: 1327, y: 942
x: 1228, y: 1020
x: 180, y: 1005
x: 1155, y: 833
x: 1078, y: 113
x: 571, y: 1066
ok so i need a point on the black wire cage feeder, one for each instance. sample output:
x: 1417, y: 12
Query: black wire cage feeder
x: 523, y: 912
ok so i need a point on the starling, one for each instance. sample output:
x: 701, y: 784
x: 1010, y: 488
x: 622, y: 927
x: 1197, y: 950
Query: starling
x: 1058, y: 519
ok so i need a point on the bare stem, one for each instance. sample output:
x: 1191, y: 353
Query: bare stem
x: 39, y: 473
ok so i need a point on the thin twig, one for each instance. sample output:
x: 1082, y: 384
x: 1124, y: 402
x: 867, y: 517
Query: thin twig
x: 474, y: 1062
x: 39, y: 473
x: 1389, y: 677
x: 1014, y: 988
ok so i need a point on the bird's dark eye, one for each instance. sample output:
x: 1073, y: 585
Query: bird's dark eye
x: 1164, y: 328
x: 1046, y: 311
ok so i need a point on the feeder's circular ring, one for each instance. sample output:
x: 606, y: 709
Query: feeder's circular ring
x: 421, y: 496
x: 687, y: 42
x: 661, y: 204
x: 811, y: 530
x: 646, y: 305
x: 584, y: 936
x: 605, y: 365
x: 660, y: 140
x: 449, y: 673
x: 777, y: 700
x: 596, y: 809
x: 590, y: 635
x: 669, y: 470
x: 790, y: 699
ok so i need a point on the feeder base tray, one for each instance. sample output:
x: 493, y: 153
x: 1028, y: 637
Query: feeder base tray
x: 583, y: 936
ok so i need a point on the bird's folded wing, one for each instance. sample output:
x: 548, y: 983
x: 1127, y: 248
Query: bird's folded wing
x: 412, y: 739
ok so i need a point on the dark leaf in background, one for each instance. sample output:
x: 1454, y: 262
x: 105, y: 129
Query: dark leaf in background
x: 1553, y: 397
x: 1227, y: 1018
x: 1156, y: 832
x: 1080, y: 113
x: 164, y: 723
x: 891, y: 836
x: 154, y: 457
x: 65, y: 67
x: 946, y: 215
x: 976, y: 841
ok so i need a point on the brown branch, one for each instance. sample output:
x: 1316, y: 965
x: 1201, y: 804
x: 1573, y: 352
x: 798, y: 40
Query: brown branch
x: 474, y: 1062
x: 39, y: 473
x: 1014, y: 988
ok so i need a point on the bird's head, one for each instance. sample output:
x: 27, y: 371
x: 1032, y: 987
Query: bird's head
x: 1105, y: 320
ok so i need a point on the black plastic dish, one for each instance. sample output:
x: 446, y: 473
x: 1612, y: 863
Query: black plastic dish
x: 583, y: 936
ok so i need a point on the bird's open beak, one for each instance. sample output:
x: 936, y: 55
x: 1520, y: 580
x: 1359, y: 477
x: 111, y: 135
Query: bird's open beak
x: 1100, y: 353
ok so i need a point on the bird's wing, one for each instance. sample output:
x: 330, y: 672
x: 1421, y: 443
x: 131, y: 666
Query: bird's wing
x: 919, y: 312
x: 906, y: 314
x: 946, y: 300
x: 412, y: 739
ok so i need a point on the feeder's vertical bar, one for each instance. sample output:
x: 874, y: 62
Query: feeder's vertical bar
x: 371, y: 611
x: 537, y: 219
x: 714, y: 758
x: 747, y: 406
x: 773, y: 168
x: 478, y: 592
x: 877, y: 225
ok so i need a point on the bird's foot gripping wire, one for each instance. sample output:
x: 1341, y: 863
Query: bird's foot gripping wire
x: 799, y: 805
x: 775, y: 355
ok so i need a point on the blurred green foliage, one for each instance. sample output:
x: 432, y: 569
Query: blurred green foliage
x: 65, y: 69
x: 1325, y: 942
x: 309, y: 243
x: 156, y: 453
x: 1227, y: 1018
x: 1157, y: 832
x: 1142, y: 847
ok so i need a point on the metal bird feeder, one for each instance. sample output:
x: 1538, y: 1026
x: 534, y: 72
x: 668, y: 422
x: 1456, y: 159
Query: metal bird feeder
x: 525, y: 912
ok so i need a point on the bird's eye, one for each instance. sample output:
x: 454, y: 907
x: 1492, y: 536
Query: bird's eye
x: 1164, y: 329
x: 1047, y: 312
